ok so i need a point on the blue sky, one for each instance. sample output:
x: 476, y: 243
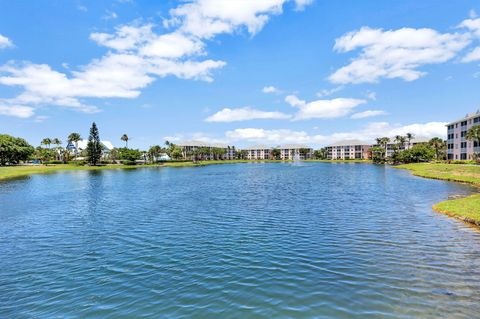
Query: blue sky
x: 239, y: 72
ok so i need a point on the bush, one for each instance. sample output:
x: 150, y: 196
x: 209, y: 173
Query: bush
x: 52, y: 162
x: 127, y: 162
x: 78, y: 163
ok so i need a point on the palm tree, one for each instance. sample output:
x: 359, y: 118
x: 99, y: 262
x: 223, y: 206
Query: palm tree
x: 473, y: 134
x: 57, y: 142
x: 46, y: 141
x: 438, y: 144
x: 125, y: 139
x: 409, y: 137
x: 74, y: 138
x: 400, y: 140
x: 383, y: 142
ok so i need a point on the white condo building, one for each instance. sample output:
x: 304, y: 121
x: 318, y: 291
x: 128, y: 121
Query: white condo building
x: 258, y: 152
x: 349, y: 149
x: 290, y: 151
x: 458, y: 147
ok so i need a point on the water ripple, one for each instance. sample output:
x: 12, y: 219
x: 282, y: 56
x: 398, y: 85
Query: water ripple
x: 235, y: 241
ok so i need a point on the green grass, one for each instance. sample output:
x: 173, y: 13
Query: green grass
x: 10, y: 172
x: 449, y: 172
x: 467, y: 208
x: 341, y: 161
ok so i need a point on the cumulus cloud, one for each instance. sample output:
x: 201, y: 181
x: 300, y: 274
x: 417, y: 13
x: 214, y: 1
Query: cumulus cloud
x: 16, y: 110
x: 244, y: 114
x: 323, y: 109
x: 369, y: 113
x: 5, y: 42
x: 328, y: 92
x: 301, y: 4
x: 270, y: 89
x: 138, y: 55
x: 367, y: 133
x: 394, y: 53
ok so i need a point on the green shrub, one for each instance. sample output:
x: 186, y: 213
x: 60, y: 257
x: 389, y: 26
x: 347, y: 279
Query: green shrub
x: 78, y: 163
x: 127, y: 162
x: 53, y: 162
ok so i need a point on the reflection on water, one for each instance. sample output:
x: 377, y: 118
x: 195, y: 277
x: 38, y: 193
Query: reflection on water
x: 235, y: 241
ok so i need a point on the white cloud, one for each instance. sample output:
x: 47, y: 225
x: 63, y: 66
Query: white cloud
x: 328, y: 92
x: 369, y: 113
x: 473, y: 55
x: 323, y: 109
x: 394, y: 53
x: 472, y: 25
x: 472, y: 14
x: 5, y: 42
x: 109, y: 15
x: 301, y: 4
x: 244, y: 114
x: 16, y: 111
x: 371, y: 95
x: 139, y: 55
x: 368, y: 134
x: 207, y: 18
x: 270, y: 89
x: 40, y: 118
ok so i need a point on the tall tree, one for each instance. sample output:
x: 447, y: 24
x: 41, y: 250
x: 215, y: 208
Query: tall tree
x: 383, y: 142
x: 125, y: 139
x: 14, y: 149
x: 94, y: 146
x: 46, y: 141
x: 438, y: 145
x: 473, y: 134
x: 74, y: 138
x: 409, y: 137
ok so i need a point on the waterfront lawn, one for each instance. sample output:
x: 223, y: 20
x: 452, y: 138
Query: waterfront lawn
x: 450, y: 172
x: 467, y: 208
x: 9, y: 172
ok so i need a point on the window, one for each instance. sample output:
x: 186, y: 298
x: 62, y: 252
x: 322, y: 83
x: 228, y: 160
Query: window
x: 463, y: 133
x: 463, y: 145
x: 464, y: 123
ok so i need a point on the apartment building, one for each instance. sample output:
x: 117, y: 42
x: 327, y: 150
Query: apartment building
x: 189, y: 148
x: 349, y: 149
x: 458, y: 147
x: 392, y: 146
x: 291, y: 151
x: 258, y: 152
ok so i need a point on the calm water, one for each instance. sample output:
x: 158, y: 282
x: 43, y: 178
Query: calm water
x: 235, y: 241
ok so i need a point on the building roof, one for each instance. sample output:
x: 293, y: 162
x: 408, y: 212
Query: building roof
x: 257, y: 147
x: 82, y: 144
x: 466, y: 117
x: 349, y: 143
x: 201, y: 144
x: 292, y: 146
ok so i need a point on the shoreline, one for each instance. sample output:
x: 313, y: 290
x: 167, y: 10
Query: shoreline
x: 465, y: 208
x: 18, y: 171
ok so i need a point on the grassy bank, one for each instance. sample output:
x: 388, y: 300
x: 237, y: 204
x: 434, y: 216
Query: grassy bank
x: 341, y: 161
x: 10, y: 172
x: 467, y: 208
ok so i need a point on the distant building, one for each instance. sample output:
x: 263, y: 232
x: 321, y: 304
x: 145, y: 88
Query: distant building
x: 349, y: 149
x: 82, y: 145
x: 392, y: 146
x: 189, y: 149
x: 258, y: 152
x: 290, y: 151
x: 458, y: 147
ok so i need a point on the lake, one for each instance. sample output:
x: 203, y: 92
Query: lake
x: 314, y: 240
